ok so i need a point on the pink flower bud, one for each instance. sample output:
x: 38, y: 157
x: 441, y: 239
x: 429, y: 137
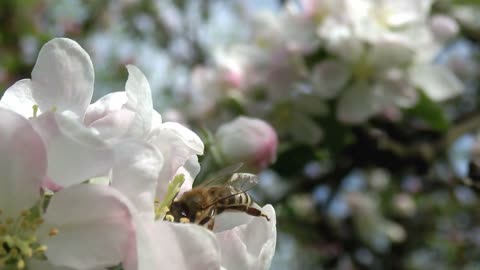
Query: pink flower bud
x: 248, y: 140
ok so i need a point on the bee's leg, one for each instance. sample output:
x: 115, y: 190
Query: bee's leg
x: 210, y: 219
x: 211, y: 224
x: 249, y: 210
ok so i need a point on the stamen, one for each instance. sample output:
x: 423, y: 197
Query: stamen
x: 172, y: 191
x: 35, y: 110
x: 18, y: 239
x: 184, y: 220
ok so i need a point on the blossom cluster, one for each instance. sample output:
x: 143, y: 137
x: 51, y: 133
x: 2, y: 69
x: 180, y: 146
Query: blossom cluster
x: 355, y: 58
x: 86, y: 185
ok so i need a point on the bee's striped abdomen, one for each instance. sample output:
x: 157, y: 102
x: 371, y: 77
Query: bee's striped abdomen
x: 239, y: 199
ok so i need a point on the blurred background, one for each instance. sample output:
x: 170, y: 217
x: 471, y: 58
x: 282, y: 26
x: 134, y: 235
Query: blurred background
x: 375, y: 104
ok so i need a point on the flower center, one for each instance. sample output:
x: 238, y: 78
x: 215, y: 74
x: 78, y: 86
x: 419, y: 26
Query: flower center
x: 18, y: 238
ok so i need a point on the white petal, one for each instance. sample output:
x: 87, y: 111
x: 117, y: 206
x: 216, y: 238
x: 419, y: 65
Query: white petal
x: 63, y: 77
x: 135, y: 174
x: 438, y: 82
x: 23, y: 163
x: 251, y: 245
x: 358, y: 103
x: 388, y: 53
x: 156, y: 119
x: 75, y: 153
x: 94, y: 224
x: 190, y: 170
x: 177, y: 144
x: 140, y: 101
x: 178, y: 246
x: 18, y: 98
x: 329, y: 77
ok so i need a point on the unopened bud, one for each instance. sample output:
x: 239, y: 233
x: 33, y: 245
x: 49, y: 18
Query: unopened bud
x: 248, y: 140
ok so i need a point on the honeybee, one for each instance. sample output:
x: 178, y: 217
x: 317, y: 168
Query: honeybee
x: 226, y: 191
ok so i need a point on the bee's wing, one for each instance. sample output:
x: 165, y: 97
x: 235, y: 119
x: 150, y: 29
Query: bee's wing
x: 222, y: 176
x: 242, y: 182
x: 239, y: 183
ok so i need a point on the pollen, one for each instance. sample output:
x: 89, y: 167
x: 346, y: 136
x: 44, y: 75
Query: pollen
x: 184, y: 220
x: 53, y: 232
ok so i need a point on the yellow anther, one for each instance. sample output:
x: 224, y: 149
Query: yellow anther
x: 41, y: 249
x: 20, y: 264
x: 53, y: 232
x: 169, y: 218
x: 184, y: 220
x: 25, y: 213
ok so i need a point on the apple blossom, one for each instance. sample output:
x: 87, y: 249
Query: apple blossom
x: 55, y: 100
x: 130, y: 115
x: 373, y: 56
x: 26, y: 233
x: 247, y: 140
x: 91, y: 226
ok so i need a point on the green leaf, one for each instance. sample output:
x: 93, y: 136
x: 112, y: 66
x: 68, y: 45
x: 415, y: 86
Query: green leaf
x: 467, y: 2
x: 430, y: 112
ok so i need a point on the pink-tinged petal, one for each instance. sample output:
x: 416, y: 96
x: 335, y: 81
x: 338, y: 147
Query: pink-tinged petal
x: 109, y: 117
x: 251, y: 245
x: 63, y: 77
x: 104, y: 106
x: 74, y: 152
x: 177, y: 145
x: 176, y: 246
x: 140, y: 101
x: 94, y: 224
x: 18, y: 98
x: 135, y: 174
x: 114, y: 125
x: 23, y: 163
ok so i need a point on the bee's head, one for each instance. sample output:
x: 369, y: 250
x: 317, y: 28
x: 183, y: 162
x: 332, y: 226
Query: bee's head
x: 180, y: 212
